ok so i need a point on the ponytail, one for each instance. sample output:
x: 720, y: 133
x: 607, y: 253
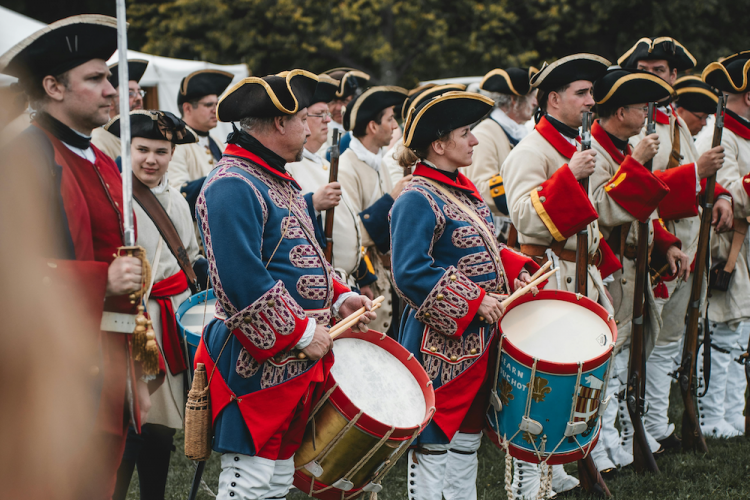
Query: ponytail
x: 407, y: 158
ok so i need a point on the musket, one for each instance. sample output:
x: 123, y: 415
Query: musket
x: 333, y: 176
x: 643, y: 459
x: 591, y: 479
x: 692, y: 437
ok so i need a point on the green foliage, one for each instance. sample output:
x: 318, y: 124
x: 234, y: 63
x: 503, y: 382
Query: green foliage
x: 406, y: 41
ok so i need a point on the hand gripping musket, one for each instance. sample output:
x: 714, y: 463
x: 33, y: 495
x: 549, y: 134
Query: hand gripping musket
x: 692, y: 437
x: 333, y: 176
x: 591, y: 479
x: 643, y: 459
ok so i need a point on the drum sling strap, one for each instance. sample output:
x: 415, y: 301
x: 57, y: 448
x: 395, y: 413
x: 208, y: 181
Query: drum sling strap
x: 147, y: 200
x: 478, y: 224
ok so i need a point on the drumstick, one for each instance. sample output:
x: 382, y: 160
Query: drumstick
x: 348, y: 322
x: 353, y: 318
x: 541, y: 270
x: 526, y: 289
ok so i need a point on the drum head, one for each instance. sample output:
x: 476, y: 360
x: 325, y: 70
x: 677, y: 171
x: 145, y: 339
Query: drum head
x: 378, y: 383
x: 198, y: 316
x: 556, y: 331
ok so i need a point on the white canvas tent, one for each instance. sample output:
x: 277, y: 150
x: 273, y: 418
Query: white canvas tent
x: 163, y: 73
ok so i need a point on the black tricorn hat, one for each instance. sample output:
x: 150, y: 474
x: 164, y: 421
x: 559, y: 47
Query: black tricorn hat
x: 159, y: 125
x: 411, y: 95
x: 326, y: 89
x: 136, y: 69
x: 731, y: 74
x: 696, y: 95
x: 513, y: 81
x: 351, y: 81
x: 61, y: 46
x: 266, y: 97
x: 202, y: 83
x: 569, y: 69
x: 651, y: 49
x: 428, y: 93
x: 372, y: 101
x: 432, y: 118
x: 622, y: 87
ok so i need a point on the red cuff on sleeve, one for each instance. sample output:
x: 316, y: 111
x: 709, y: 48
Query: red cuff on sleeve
x: 636, y: 189
x: 338, y: 289
x: 514, y: 263
x: 681, y: 202
x: 663, y: 239
x: 562, y: 204
x: 608, y: 262
x: 746, y: 184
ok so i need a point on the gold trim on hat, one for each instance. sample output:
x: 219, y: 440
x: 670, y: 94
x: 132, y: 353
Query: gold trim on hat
x: 636, y: 76
x: 254, y: 79
x: 714, y: 66
x: 368, y: 93
x: 351, y: 74
x: 183, y: 87
x: 412, y: 121
x: 546, y: 69
x: 651, y: 45
x: 505, y: 76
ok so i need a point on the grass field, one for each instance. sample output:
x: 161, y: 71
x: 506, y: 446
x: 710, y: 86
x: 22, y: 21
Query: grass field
x: 723, y: 474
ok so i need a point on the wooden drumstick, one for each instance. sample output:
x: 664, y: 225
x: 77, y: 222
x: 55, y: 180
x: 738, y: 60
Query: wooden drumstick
x: 541, y: 270
x: 526, y: 289
x: 348, y: 322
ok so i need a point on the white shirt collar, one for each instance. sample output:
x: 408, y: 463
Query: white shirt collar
x: 365, y: 155
x: 516, y: 130
x: 311, y: 156
x: 163, y: 185
x: 337, y: 125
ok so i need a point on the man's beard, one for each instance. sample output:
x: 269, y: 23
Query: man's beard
x: 298, y: 155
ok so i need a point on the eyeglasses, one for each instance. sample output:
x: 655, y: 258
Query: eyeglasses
x: 134, y: 93
x: 702, y: 117
x: 643, y: 109
x: 322, y: 115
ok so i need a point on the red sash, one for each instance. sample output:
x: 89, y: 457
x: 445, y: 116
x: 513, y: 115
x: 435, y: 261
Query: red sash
x: 162, y: 292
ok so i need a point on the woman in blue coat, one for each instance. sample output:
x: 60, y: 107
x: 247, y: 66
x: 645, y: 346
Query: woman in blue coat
x: 446, y: 260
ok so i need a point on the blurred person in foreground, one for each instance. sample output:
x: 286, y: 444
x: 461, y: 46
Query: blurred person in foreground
x: 62, y: 69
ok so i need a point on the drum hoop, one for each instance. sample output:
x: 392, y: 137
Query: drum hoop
x: 366, y: 423
x: 555, y: 367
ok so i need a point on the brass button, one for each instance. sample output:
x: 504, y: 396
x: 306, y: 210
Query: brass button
x: 440, y: 296
x: 271, y: 303
x: 247, y: 319
x: 539, y: 188
x: 94, y: 370
x: 426, y: 315
x: 52, y: 265
x: 481, y: 318
x: 473, y: 351
x: 617, y: 322
x: 184, y: 195
x: 325, y: 167
x: 185, y: 185
x: 454, y: 357
x: 747, y: 180
x: 624, y: 281
x: 542, y: 199
x: 367, y: 216
x: 453, y: 277
x: 433, y: 348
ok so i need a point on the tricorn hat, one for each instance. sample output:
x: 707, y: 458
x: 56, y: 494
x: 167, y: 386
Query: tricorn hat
x: 326, y: 89
x: 351, y: 81
x: 372, y: 101
x: 622, y: 87
x: 61, y: 46
x: 731, y: 74
x: 411, y: 95
x: 513, y: 81
x: 569, y: 69
x: 428, y: 93
x: 696, y: 95
x: 159, y: 125
x: 651, y: 49
x: 202, y: 83
x: 136, y: 69
x: 432, y: 118
x: 266, y: 97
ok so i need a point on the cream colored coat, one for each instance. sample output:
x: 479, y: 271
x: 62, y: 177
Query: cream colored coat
x: 168, y: 402
x: 106, y: 142
x: 311, y: 175
x: 528, y: 165
x: 492, y: 150
x: 622, y: 289
x: 734, y: 305
x: 190, y: 162
x: 364, y: 186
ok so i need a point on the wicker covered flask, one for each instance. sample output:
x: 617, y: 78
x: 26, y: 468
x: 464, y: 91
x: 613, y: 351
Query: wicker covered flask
x: 198, y: 418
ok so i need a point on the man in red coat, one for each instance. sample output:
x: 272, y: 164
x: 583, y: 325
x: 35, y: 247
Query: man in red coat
x: 63, y: 71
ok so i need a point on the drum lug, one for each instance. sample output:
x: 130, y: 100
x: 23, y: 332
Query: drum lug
x: 495, y: 401
x: 530, y: 426
x: 314, y: 468
x: 603, y: 405
x: 343, y: 484
x: 575, y: 428
x: 373, y: 487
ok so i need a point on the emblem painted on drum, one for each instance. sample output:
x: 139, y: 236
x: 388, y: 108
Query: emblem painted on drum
x: 540, y: 390
x: 505, y: 392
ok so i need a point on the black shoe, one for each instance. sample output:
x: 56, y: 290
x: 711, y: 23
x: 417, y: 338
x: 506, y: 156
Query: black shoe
x: 610, y: 473
x: 671, y: 443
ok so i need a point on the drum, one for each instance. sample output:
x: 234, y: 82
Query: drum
x: 192, y: 316
x: 555, y: 354
x: 376, y: 401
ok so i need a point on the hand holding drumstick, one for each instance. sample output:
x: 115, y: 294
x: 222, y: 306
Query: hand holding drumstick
x: 498, y: 303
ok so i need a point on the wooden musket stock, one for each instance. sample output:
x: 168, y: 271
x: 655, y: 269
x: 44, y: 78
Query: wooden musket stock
x: 332, y: 177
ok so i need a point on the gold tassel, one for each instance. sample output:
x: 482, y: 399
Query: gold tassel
x: 198, y: 417
x: 139, y: 334
x: 150, y: 357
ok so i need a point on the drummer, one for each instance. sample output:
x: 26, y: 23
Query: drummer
x: 445, y: 263
x: 276, y: 293
x: 155, y: 134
